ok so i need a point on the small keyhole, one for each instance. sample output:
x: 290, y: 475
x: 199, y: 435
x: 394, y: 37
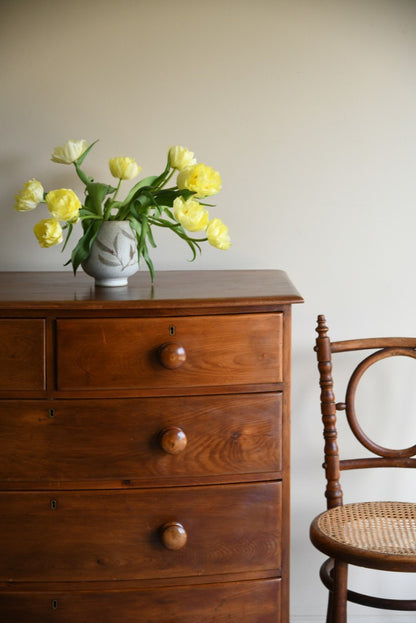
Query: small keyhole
x: 172, y: 330
x: 53, y: 505
x: 51, y: 412
x: 54, y: 604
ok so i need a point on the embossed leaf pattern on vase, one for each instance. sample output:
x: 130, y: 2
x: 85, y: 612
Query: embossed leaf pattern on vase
x: 113, y: 257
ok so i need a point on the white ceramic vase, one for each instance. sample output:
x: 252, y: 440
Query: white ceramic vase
x: 113, y: 258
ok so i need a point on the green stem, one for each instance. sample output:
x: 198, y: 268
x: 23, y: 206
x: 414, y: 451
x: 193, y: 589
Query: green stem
x: 172, y: 188
x: 164, y: 180
x: 107, y: 211
x: 80, y: 173
x: 117, y: 189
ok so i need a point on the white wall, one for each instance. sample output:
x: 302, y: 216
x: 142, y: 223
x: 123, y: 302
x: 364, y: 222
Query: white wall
x: 306, y: 107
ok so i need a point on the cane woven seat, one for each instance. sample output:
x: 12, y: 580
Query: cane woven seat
x: 382, y: 527
x: 375, y: 534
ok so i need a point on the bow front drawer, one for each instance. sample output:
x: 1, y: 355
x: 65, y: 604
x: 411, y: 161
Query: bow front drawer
x: 141, y: 438
x: 258, y: 601
x: 138, y: 534
x: 183, y: 352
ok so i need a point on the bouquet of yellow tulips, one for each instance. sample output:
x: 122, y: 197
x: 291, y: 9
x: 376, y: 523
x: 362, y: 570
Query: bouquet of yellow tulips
x: 149, y: 203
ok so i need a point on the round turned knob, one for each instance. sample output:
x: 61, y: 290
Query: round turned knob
x: 173, y: 440
x: 173, y: 535
x: 172, y: 355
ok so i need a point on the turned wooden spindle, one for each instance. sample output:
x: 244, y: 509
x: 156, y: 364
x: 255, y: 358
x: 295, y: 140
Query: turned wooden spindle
x: 333, y: 491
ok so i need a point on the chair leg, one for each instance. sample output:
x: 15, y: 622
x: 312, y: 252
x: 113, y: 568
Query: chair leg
x: 339, y: 594
x: 329, y: 612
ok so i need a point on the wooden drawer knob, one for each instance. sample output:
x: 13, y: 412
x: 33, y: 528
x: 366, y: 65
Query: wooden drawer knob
x: 171, y: 355
x: 173, y: 440
x: 173, y: 535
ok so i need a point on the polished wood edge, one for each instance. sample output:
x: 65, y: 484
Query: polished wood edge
x: 147, y: 392
x: 373, y: 343
x: 170, y: 290
x: 268, y: 575
x: 137, y: 483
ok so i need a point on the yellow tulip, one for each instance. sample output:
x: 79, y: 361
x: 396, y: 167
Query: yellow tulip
x: 200, y: 179
x: 70, y: 152
x: 217, y: 234
x: 124, y: 168
x: 48, y: 232
x: 29, y: 197
x: 191, y: 215
x: 63, y: 204
x: 180, y: 157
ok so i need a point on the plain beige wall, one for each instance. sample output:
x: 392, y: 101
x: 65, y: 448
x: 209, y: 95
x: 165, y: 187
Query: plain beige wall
x: 306, y: 107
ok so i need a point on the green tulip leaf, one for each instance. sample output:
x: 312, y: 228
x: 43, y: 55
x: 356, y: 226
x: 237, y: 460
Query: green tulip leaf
x: 85, y: 153
x: 86, y: 213
x: 82, y: 250
x: 70, y: 227
x: 97, y: 193
x: 149, y: 263
x: 150, y: 237
x: 169, y: 213
x: 147, y: 181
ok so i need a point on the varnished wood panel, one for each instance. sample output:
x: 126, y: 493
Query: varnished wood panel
x: 239, y: 602
x: 110, y: 440
x: 229, y: 289
x: 116, y: 535
x: 104, y: 353
x: 22, y: 354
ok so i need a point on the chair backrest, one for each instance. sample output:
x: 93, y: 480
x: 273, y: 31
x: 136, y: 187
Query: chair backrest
x: 384, y: 457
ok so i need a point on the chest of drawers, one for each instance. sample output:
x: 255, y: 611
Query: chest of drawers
x: 144, y: 464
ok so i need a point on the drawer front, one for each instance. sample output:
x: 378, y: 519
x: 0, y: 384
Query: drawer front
x: 126, y: 353
x: 22, y: 354
x: 120, y: 535
x: 243, y: 602
x: 137, y: 439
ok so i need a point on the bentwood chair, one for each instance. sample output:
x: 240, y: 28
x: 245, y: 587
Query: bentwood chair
x: 376, y: 534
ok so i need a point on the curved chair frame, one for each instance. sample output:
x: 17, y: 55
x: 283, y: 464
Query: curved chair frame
x: 334, y: 571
